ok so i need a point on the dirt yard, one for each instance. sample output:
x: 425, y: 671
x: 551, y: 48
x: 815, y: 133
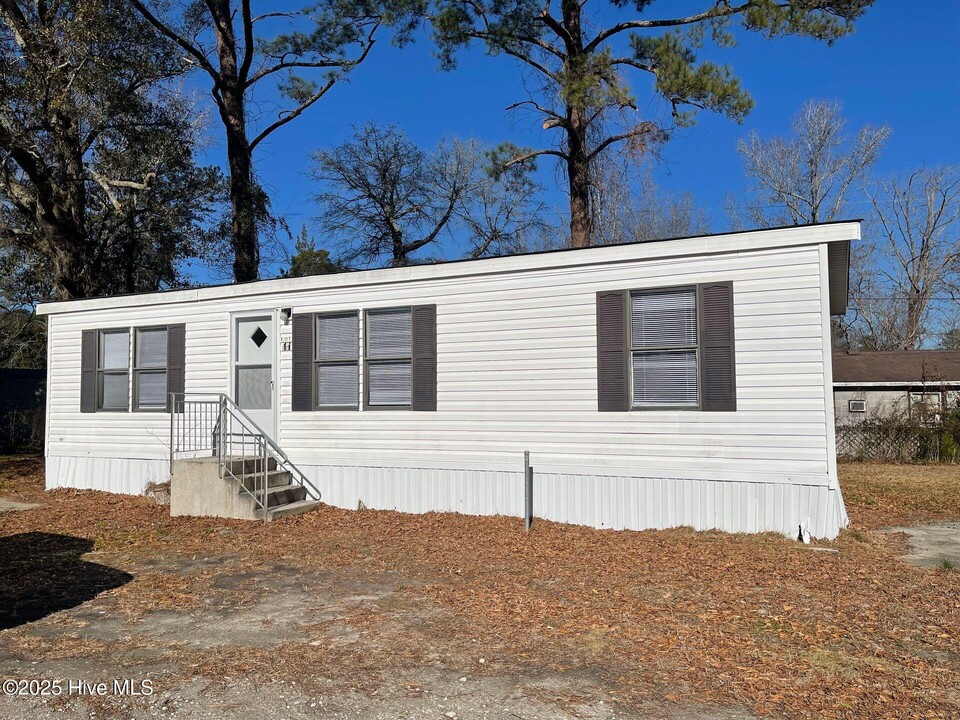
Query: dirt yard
x: 340, y: 614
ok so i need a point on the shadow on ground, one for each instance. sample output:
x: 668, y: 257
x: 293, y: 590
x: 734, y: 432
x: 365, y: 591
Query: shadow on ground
x: 43, y: 573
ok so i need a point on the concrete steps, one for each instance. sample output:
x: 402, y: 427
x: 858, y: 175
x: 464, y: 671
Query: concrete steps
x: 197, y: 489
x: 294, y: 508
x: 249, y: 466
x: 275, y: 478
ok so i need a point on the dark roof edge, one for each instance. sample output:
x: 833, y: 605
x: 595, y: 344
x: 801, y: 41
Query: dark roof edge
x: 838, y: 279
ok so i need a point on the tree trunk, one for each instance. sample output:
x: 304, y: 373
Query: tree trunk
x: 578, y: 161
x: 399, y: 249
x: 244, y: 207
x: 579, y: 181
x: 61, y: 214
x: 246, y: 201
x: 68, y: 274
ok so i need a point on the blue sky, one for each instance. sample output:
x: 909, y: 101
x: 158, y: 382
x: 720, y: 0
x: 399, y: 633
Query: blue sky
x: 901, y: 67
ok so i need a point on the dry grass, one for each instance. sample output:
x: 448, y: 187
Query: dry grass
x: 677, y: 615
x: 887, y: 495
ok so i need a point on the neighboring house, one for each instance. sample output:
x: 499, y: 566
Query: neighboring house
x: 915, y: 384
x: 668, y: 383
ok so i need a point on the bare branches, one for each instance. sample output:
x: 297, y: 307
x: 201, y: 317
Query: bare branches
x: 386, y: 199
x: 248, y: 42
x: 919, y: 255
x: 167, y: 31
x: 289, y: 116
x: 530, y: 155
x: 642, y: 130
x: 109, y: 185
x: 806, y: 177
x: 330, y: 38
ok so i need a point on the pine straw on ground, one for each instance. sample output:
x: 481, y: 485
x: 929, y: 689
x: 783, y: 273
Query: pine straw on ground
x: 879, y: 495
x: 678, y: 615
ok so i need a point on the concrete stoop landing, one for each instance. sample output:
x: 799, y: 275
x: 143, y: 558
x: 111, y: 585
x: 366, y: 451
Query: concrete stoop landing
x: 197, y: 489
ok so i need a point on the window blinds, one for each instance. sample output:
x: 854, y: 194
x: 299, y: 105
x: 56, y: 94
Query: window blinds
x: 663, y: 340
x: 337, y: 353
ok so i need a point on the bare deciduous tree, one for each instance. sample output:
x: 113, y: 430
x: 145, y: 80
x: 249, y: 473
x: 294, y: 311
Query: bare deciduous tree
x: 631, y: 207
x: 385, y: 198
x: 905, y: 295
x: 805, y: 177
x: 501, y: 212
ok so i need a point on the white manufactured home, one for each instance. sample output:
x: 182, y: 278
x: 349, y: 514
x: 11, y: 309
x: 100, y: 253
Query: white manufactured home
x: 668, y: 383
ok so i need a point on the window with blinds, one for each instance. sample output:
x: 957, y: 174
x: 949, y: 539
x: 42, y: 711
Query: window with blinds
x: 113, y: 370
x: 337, y: 361
x: 150, y: 369
x: 663, y: 348
x: 389, y: 358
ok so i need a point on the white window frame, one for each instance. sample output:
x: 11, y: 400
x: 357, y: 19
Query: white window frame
x: 633, y: 349
x: 102, y: 371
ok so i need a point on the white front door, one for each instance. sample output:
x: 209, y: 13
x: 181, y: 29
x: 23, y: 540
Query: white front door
x: 254, y: 369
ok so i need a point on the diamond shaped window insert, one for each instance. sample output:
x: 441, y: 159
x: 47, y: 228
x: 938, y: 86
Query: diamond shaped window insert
x: 259, y: 336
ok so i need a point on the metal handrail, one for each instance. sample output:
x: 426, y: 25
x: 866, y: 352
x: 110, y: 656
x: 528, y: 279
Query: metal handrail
x: 186, y: 438
x: 278, y: 451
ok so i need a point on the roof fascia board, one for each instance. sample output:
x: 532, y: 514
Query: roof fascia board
x: 778, y: 238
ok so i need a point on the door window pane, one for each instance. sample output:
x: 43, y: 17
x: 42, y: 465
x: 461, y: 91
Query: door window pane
x: 254, y: 389
x: 255, y: 344
x: 390, y: 383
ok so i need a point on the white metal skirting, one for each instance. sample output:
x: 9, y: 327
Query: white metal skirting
x: 621, y: 503
x: 129, y: 476
x: 602, y: 501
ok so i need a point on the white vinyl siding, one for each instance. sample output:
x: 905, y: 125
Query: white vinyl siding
x: 389, y: 358
x: 337, y: 365
x: 516, y: 371
x: 663, y: 348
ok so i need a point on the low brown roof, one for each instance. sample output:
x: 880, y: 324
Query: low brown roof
x: 897, y: 366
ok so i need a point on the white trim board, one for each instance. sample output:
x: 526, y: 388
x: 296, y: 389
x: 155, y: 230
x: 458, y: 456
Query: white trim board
x: 777, y: 238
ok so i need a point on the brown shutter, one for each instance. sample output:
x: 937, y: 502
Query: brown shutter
x: 301, y: 397
x: 612, y: 352
x: 88, y: 371
x: 176, y: 360
x: 424, y: 357
x: 718, y: 372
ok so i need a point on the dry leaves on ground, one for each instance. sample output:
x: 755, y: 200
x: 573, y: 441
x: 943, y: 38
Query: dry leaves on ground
x: 756, y: 620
